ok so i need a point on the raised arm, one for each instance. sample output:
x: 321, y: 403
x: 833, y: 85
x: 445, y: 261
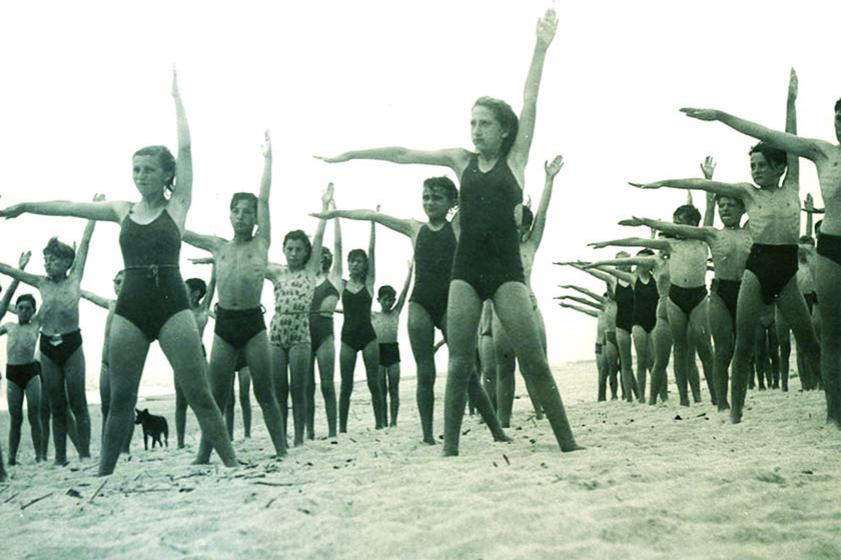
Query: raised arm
x: 264, y: 222
x: 685, y: 231
x: 792, y: 160
x: 372, y: 247
x: 582, y: 301
x: 655, y: 244
x: 551, y: 168
x: 338, y: 265
x: 10, y: 291
x: 402, y: 298
x: 589, y: 312
x: 314, y: 264
x: 78, y: 268
x: 209, y: 243
x: 809, y: 208
x: 584, y: 291
x: 406, y: 227
x: 741, y: 191
x: 95, y: 299
x: 454, y: 158
x: 182, y: 196
x: 708, y: 168
x: 545, y: 32
x: 803, y: 147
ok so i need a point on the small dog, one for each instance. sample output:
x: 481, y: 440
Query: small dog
x: 153, y: 426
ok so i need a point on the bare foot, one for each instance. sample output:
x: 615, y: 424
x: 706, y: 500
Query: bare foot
x: 13, y: 461
x: 735, y: 416
x: 569, y: 448
x: 429, y: 441
x: 449, y: 451
x: 502, y: 437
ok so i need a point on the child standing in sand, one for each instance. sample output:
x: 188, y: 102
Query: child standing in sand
x: 385, y: 324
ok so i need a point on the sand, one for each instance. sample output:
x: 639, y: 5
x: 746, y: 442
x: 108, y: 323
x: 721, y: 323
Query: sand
x: 653, y: 482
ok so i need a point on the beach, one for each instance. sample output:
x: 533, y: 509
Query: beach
x: 653, y: 482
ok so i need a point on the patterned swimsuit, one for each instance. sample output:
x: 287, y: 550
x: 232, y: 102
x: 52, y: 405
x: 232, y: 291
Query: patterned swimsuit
x: 293, y: 292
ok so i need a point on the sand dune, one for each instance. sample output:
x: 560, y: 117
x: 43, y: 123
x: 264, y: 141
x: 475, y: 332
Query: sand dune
x: 654, y: 482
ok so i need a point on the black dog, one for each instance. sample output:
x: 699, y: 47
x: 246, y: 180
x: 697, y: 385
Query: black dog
x: 153, y: 426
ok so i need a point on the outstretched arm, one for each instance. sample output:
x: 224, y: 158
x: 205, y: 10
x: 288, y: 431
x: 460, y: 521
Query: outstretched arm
x: 103, y: 211
x: 182, y: 196
x: 552, y: 168
x: 455, y: 158
x: 607, y: 265
x: 734, y: 190
x: 546, y: 27
x: 582, y: 301
x: 211, y: 287
x: 10, y: 291
x: 601, y: 275
x: 264, y: 222
x: 803, y: 147
x: 20, y: 275
x: 318, y: 241
x: 685, y: 231
x: 95, y: 299
x: 402, y: 298
x: 792, y: 160
x: 584, y: 291
x: 655, y: 244
x: 209, y: 243
x: 589, y: 312
x: 400, y: 226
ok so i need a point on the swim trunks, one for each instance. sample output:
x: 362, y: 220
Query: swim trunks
x: 728, y: 291
x: 774, y: 266
x: 389, y: 354
x: 58, y: 348
x: 22, y: 374
x: 238, y: 326
x: 687, y: 299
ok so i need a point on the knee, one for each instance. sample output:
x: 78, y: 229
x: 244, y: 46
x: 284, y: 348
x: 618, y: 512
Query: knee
x: 460, y: 365
x: 16, y: 415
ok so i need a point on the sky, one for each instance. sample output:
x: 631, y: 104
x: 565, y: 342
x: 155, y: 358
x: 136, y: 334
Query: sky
x: 85, y: 84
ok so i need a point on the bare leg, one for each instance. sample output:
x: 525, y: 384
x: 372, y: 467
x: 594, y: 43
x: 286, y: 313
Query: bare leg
x: 662, y: 338
x: 280, y: 375
x: 244, y: 378
x: 699, y: 330
x: 309, y: 395
x: 679, y: 323
x: 642, y: 344
x: 421, y: 337
x: 33, y: 414
x: 180, y: 416
x: 505, y: 365
x: 827, y: 279
x: 74, y: 379
x: 326, y: 357
x: 53, y: 380
x: 14, y: 397
x: 721, y: 326
x: 257, y: 357
x: 784, y: 340
x: 371, y: 359
x: 629, y: 384
x: 299, y: 363
x: 347, y: 364
x: 228, y: 411
x: 747, y: 313
x: 487, y: 362
x: 45, y: 421
x: 393, y: 374
x: 383, y: 376
x: 601, y: 369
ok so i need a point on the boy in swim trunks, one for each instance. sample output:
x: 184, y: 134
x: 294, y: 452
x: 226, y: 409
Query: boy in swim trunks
x: 22, y: 371
x: 385, y: 324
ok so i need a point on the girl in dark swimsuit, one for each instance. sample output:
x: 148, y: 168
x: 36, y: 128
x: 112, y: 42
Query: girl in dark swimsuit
x: 153, y: 302
x: 487, y: 262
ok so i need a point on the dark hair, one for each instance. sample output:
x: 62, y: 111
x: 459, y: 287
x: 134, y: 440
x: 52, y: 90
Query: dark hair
x: 690, y: 212
x: 165, y: 159
x: 326, y: 260
x: 528, y: 217
x: 243, y: 196
x: 59, y: 250
x: 299, y: 235
x: 359, y: 253
x: 386, y: 291
x: 818, y: 226
x: 506, y: 118
x: 807, y: 239
x: 196, y: 285
x: 774, y: 156
x: 838, y: 105
x: 735, y: 199
x: 446, y: 186
x: 26, y: 297
x: 646, y: 251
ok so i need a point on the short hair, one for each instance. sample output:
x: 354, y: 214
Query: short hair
x: 646, y: 251
x: 250, y: 197
x: 359, y: 254
x: 735, y: 199
x: 299, y: 235
x: 818, y: 226
x: 528, y: 217
x: 27, y: 297
x: 808, y: 239
x: 59, y: 250
x: 445, y: 186
x: 505, y: 116
x: 386, y: 291
x: 165, y: 159
x: 326, y: 260
x: 196, y: 285
x: 838, y: 105
x: 692, y: 214
x: 774, y: 156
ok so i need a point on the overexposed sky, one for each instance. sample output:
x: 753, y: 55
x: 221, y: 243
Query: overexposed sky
x: 84, y: 84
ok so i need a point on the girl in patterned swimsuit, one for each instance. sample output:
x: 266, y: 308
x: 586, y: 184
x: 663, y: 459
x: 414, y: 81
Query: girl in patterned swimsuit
x: 289, y: 332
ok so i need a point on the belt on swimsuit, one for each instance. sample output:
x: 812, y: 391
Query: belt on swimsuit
x: 216, y: 309
x: 57, y: 339
x: 153, y: 270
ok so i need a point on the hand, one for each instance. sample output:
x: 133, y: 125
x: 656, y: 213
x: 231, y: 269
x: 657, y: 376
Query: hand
x: 175, y: 92
x: 327, y: 195
x: 654, y: 185
x: 335, y: 159
x: 598, y: 245
x: 24, y: 259
x: 708, y: 167
x: 326, y: 215
x: 267, y: 145
x: 792, y: 85
x: 701, y: 114
x: 565, y: 286
x: 553, y: 167
x: 562, y: 304
x: 546, y: 27
x: 99, y: 197
x: 809, y: 203
x: 634, y: 221
x: 203, y: 260
x: 12, y: 211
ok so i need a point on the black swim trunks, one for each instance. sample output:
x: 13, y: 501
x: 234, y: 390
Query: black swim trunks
x: 728, y: 291
x: 238, y: 326
x: 58, y: 348
x: 774, y: 266
x: 22, y: 374
x: 687, y: 299
x: 389, y: 354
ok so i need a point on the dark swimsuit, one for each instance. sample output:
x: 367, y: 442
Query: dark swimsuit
x: 58, y: 348
x: 728, y: 291
x: 774, y: 266
x: 488, y: 251
x: 811, y: 300
x: 687, y: 299
x: 153, y: 290
x: 389, y: 354
x: 624, y: 296
x: 434, y: 252
x: 321, y: 327
x: 22, y: 374
x: 238, y: 326
x: 646, y: 299
x: 357, y: 330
